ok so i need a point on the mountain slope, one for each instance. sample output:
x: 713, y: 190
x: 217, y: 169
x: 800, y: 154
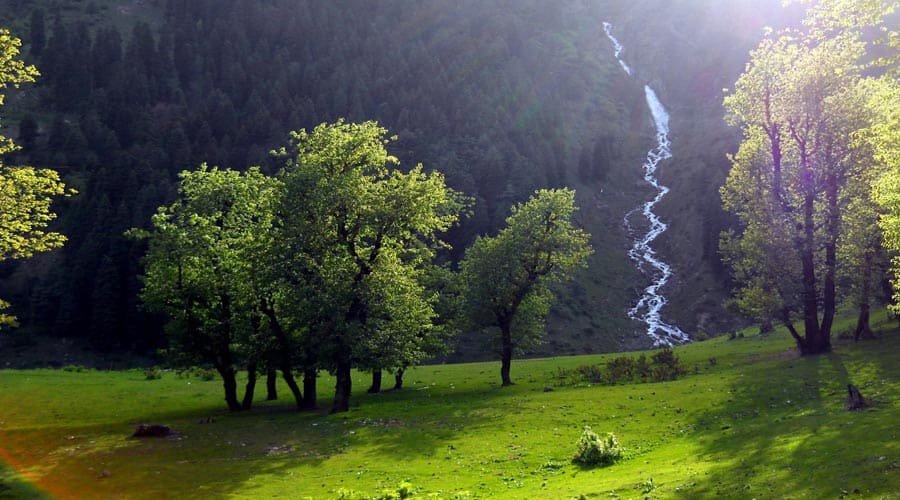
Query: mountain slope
x: 503, y: 97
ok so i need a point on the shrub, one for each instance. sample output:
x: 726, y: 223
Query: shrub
x: 666, y: 366
x: 642, y: 368
x: 74, y: 368
x: 661, y: 366
x: 594, y: 450
x: 152, y: 373
x: 620, y: 369
x: 206, y: 374
x: 590, y: 373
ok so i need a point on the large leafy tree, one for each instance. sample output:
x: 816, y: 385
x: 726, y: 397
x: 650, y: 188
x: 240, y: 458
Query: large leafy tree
x: 357, y: 234
x: 884, y: 137
x: 507, y: 280
x: 799, y: 180
x: 26, y: 193
x: 200, y: 271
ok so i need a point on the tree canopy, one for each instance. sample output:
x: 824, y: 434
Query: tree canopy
x: 507, y: 279
x: 357, y: 234
x: 26, y: 194
x: 799, y: 180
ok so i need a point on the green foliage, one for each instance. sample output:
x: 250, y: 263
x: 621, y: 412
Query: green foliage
x: 152, y: 373
x: 593, y: 450
x: 666, y: 366
x: 357, y: 235
x: 884, y: 137
x: 199, y: 264
x: 131, y: 96
x: 506, y: 280
x: 663, y: 365
x: 620, y: 369
x: 799, y: 182
x: 13, y: 71
x: 25, y: 193
x: 403, y: 491
x: 203, y: 373
x: 203, y: 255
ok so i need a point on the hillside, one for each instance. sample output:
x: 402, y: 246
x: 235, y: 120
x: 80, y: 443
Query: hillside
x: 749, y: 419
x: 503, y: 97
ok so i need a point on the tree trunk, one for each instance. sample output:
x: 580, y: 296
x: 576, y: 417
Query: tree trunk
x: 862, y: 324
x: 250, y: 388
x: 505, y: 354
x: 376, y: 382
x: 288, y: 377
x: 285, y: 350
x: 855, y: 400
x: 271, y: 384
x: 766, y: 327
x: 229, y: 382
x: 813, y: 341
x: 829, y: 285
x: 310, y: 394
x: 398, y: 379
x: 343, y: 386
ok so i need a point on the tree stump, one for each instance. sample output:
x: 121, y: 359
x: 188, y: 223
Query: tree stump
x: 855, y: 400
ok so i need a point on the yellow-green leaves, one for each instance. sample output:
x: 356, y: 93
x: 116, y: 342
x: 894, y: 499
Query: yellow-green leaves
x: 25, y: 193
x: 25, y: 198
x: 539, y: 246
x: 800, y: 178
x: 12, y: 72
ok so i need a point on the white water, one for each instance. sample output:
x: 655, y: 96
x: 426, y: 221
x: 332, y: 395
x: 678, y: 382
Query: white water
x: 649, y: 308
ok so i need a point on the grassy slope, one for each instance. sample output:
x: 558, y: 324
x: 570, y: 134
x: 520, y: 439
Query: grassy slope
x: 759, y: 422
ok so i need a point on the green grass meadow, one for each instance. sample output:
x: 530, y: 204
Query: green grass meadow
x: 757, y: 421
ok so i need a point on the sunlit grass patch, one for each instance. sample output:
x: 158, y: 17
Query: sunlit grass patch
x: 759, y: 421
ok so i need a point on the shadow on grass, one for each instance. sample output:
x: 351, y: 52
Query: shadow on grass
x: 215, y: 453
x: 784, y: 430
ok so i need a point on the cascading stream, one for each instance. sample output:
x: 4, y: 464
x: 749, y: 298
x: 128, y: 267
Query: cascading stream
x: 649, y: 308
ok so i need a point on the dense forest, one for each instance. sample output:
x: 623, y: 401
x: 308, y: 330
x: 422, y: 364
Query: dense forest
x: 501, y: 97
x: 120, y: 111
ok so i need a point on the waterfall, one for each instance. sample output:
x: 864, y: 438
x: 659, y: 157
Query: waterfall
x: 649, y: 308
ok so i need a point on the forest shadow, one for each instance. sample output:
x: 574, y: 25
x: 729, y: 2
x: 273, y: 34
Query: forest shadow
x: 784, y: 429
x: 214, y: 453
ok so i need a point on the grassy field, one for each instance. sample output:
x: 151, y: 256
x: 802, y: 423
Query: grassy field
x: 751, y: 420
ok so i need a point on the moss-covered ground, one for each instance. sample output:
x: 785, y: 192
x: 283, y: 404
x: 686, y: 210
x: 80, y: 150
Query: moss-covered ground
x: 751, y: 419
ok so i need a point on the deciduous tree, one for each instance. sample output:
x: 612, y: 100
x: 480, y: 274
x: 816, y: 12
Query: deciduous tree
x: 25, y: 193
x: 357, y: 234
x: 507, y: 280
x: 798, y: 170
x: 199, y: 270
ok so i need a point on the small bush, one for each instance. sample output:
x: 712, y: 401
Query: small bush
x: 590, y: 373
x: 666, y: 366
x: 647, y: 486
x: 662, y: 366
x: 620, y: 369
x: 196, y: 371
x: 642, y: 368
x: 152, y: 373
x: 74, y: 368
x: 594, y: 450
